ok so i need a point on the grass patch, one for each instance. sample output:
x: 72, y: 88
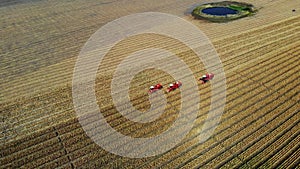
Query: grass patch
x: 242, y: 10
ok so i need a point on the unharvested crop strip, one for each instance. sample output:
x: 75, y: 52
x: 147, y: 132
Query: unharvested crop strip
x: 279, y: 151
x: 14, y: 146
x: 280, y: 75
x: 285, y: 60
x: 261, y: 49
x: 248, y: 45
x: 269, y: 126
x: 294, y: 159
x: 291, y: 88
x: 234, y: 62
x: 283, y: 70
x: 249, y: 145
x: 264, y: 63
x: 261, y: 28
x: 273, y: 32
x: 269, y: 143
x: 36, y: 148
x: 288, y: 70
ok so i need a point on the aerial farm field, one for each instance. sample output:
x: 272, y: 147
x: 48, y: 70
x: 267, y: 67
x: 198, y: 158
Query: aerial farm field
x: 41, y: 41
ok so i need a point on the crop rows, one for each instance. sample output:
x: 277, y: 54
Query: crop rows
x: 221, y: 137
x: 245, y: 128
x: 58, y: 80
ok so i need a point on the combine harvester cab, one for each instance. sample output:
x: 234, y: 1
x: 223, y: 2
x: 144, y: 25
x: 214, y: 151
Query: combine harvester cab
x: 155, y: 88
x: 174, y: 86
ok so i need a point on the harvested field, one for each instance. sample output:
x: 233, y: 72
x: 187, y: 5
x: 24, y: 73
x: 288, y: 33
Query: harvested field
x: 41, y: 41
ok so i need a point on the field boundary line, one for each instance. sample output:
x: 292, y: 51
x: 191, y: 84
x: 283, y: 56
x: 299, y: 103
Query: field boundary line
x: 63, y: 147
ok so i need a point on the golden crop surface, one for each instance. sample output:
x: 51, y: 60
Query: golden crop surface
x: 41, y: 40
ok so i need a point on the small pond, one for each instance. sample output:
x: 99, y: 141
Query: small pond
x: 220, y: 11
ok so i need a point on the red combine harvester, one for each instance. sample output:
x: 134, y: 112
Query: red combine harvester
x: 155, y: 88
x: 207, y: 77
x: 174, y: 86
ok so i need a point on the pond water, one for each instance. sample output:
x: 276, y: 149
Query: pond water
x: 220, y: 11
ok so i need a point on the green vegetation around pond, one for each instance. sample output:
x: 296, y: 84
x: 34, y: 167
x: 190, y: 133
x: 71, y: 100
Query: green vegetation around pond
x: 223, y: 11
x: 239, y: 8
